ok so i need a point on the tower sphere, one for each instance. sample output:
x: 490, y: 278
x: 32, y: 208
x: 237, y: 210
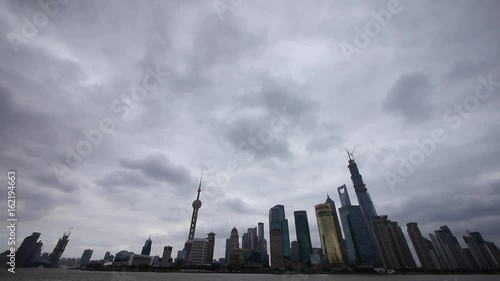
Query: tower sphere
x: 197, y: 204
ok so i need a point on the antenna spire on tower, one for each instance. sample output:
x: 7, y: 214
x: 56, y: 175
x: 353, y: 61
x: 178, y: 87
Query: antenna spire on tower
x: 199, y: 186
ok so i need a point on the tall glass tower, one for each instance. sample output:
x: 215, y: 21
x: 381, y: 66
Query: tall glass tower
x: 277, y: 221
x: 303, y: 235
x: 337, y: 224
x: 359, y: 250
x: 146, y: 249
x: 365, y: 202
x: 328, y: 235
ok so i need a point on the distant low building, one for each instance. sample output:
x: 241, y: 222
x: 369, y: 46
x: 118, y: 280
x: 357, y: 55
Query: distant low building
x: 86, y: 256
x: 107, y: 257
x: 136, y: 260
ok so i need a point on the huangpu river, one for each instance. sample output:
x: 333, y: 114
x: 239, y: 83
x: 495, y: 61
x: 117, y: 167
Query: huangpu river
x: 60, y: 274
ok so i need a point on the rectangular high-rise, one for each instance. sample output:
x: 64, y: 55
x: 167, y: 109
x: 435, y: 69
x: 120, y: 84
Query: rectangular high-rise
x: 420, y: 246
x: 452, y: 248
x: 245, y: 241
x: 494, y: 252
x: 262, y: 245
x: 303, y: 235
x: 199, y: 251
x: 433, y: 253
x: 211, y: 247
x: 166, y: 258
x: 295, y: 252
x: 391, y: 244
x: 276, y: 245
x: 328, y: 235
x: 479, y: 251
x: 443, y: 257
x: 277, y: 220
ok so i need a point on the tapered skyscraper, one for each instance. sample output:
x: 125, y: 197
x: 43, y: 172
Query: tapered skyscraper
x: 364, y: 200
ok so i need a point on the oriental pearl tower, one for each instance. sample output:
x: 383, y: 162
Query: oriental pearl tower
x: 192, y: 228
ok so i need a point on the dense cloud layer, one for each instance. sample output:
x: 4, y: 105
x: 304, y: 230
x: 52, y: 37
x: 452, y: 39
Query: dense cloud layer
x: 110, y: 110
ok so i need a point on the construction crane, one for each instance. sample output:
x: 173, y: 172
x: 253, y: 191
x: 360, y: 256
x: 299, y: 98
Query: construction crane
x: 69, y: 231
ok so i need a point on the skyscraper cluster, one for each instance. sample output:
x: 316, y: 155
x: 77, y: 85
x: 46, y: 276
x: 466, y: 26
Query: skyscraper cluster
x: 29, y: 252
x: 371, y: 239
x: 253, y: 251
x: 355, y: 236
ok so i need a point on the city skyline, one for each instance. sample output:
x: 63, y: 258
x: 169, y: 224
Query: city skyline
x: 336, y: 250
x: 262, y: 98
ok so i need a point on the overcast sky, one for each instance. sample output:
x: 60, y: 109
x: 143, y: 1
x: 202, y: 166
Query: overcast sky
x: 263, y: 95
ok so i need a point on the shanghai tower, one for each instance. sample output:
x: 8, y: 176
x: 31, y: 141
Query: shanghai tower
x: 364, y: 200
